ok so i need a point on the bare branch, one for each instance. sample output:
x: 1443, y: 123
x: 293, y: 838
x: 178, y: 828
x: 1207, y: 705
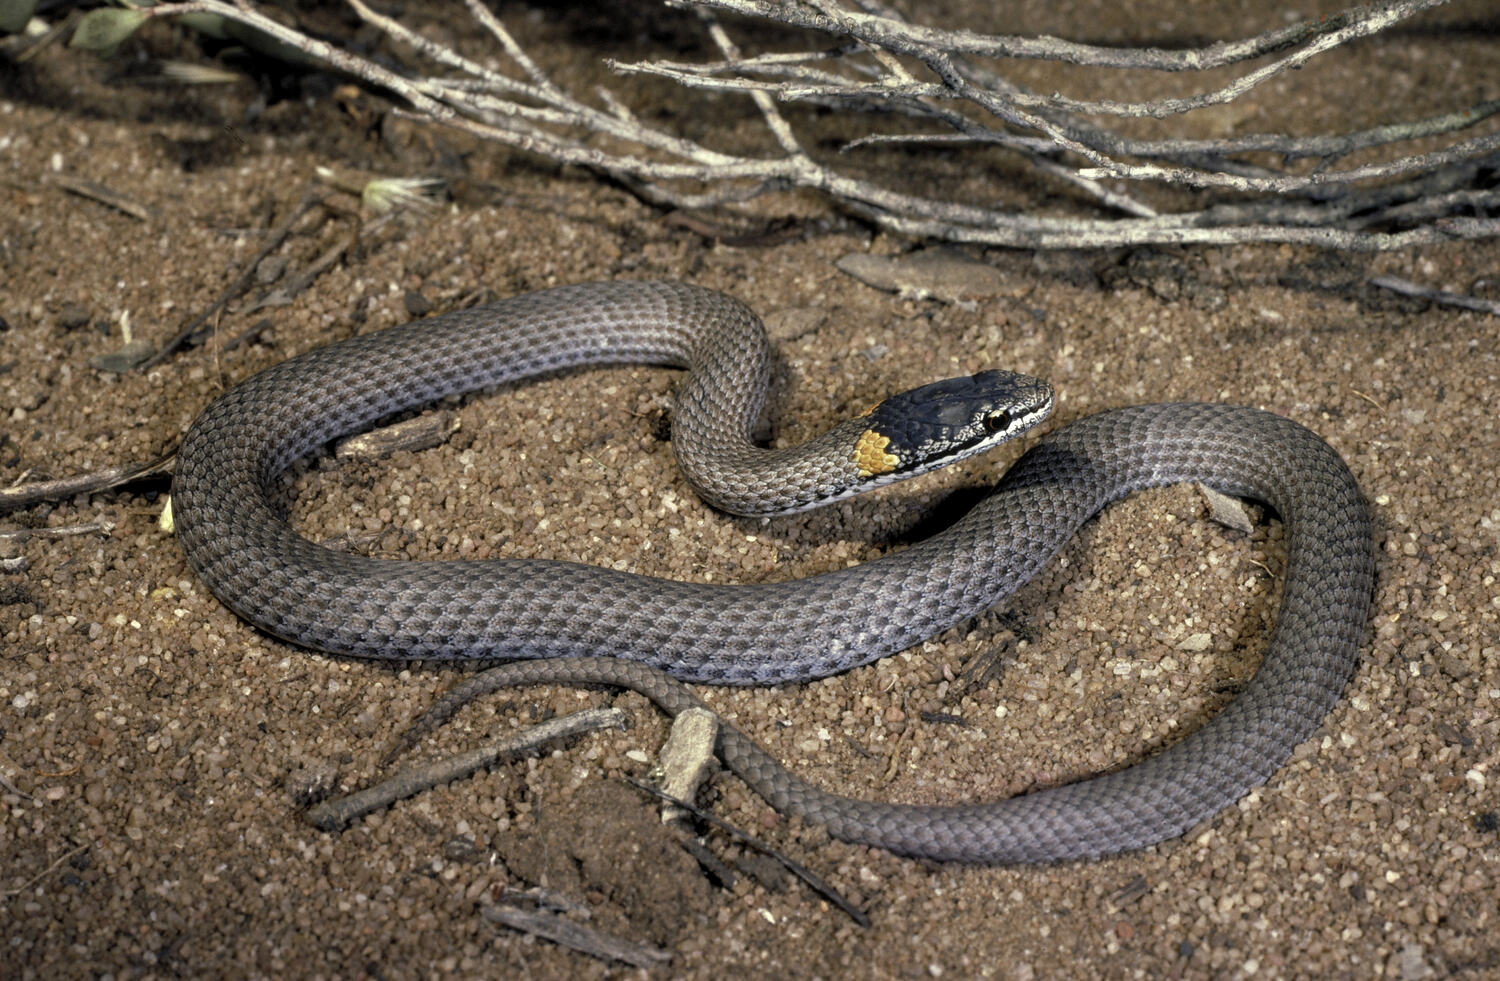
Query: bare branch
x: 335, y: 815
x: 879, y: 67
x: 1440, y: 297
x: 577, y: 936
x: 19, y: 496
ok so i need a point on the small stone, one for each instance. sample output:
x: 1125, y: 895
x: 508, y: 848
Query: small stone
x: 462, y: 848
x: 416, y: 304
x: 686, y: 757
x: 1454, y: 666
x: 125, y: 357
x: 311, y: 783
x: 939, y: 273
x: 794, y: 323
x: 1226, y: 510
x: 73, y: 316
x: 1412, y: 963
x: 270, y: 269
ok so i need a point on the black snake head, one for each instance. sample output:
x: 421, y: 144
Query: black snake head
x: 932, y: 426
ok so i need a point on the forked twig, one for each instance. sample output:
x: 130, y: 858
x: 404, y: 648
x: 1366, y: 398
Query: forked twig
x: 920, y: 87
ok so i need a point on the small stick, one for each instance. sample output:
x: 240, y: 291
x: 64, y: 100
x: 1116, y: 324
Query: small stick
x: 576, y: 936
x: 792, y: 865
x: 278, y: 235
x: 1442, y: 297
x: 25, y: 495
x: 104, y: 195
x: 247, y: 336
x: 414, y: 435
x: 6, y: 764
x: 333, y: 815
x: 42, y: 874
x: 14, y: 789
x: 302, y: 280
x: 707, y: 860
x: 23, y: 534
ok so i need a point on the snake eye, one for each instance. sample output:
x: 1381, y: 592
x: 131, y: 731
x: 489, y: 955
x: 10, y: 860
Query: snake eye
x: 996, y: 421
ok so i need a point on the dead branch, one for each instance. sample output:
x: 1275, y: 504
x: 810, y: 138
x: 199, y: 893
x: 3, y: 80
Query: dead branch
x: 951, y: 85
x: 19, y: 496
x: 577, y: 936
x: 334, y: 815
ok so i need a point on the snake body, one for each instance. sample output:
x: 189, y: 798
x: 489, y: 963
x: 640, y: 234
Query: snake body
x: 584, y: 624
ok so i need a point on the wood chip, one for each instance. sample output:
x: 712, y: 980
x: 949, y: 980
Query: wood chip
x: 1226, y: 510
x: 686, y: 758
x: 937, y: 273
x: 421, y: 433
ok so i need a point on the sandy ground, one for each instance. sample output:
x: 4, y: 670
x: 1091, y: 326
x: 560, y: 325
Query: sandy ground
x: 150, y: 742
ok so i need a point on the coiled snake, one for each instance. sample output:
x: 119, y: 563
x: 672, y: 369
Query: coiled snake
x: 583, y: 624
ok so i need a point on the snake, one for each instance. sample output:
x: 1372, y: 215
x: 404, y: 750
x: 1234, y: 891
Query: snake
x: 572, y: 623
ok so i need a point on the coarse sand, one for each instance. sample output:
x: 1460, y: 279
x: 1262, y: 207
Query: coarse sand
x: 150, y: 742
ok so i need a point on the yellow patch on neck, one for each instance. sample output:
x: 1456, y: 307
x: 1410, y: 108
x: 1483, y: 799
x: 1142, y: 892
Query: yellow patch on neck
x: 870, y: 455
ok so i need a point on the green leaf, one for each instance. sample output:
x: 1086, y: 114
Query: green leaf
x: 210, y: 24
x: 14, y: 15
x: 262, y: 43
x: 105, y: 29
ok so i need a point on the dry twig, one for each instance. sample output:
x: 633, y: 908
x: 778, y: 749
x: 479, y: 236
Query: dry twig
x: 577, y: 936
x: 95, y: 191
x: 807, y: 875
x: 68, y: 531
x: 19, y: 496
x: 11, y: 893
x: 277, y: 235
x: 334, y: 815
x: 1441, y: 297
x: 951, y: 85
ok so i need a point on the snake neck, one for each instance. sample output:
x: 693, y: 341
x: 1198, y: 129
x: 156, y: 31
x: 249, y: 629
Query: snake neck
x: 734, y: 475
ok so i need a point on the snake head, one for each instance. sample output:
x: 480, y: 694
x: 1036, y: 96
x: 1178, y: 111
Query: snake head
x: 932, y: 426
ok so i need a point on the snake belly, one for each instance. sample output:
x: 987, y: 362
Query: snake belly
x: 580, y: 623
